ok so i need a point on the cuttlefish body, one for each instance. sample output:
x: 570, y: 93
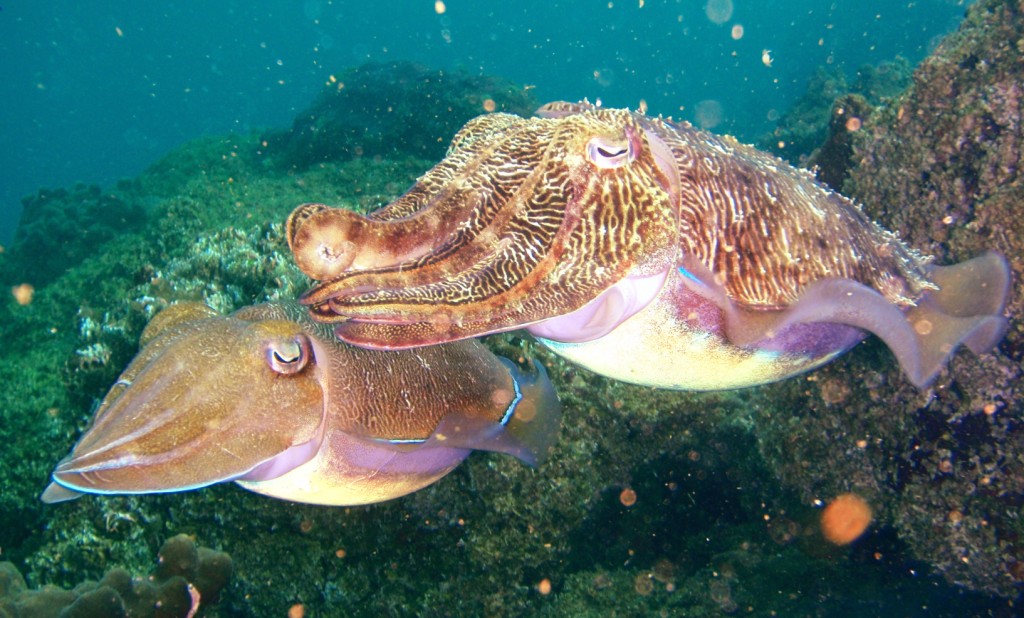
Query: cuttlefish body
x: 643, y: 249
x: 271, y: 400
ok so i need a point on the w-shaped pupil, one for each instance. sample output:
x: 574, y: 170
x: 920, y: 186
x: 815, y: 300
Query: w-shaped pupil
x: 609, y: 154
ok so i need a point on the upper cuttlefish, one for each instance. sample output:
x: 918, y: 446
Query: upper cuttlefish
x: 643, y: 249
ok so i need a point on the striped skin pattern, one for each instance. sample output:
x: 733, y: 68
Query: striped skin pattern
x: 514, y: 226
x: 602, y: 230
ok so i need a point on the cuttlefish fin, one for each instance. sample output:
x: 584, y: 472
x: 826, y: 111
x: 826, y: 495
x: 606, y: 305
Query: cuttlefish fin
x: 965, y: 309
x: 528, y: 430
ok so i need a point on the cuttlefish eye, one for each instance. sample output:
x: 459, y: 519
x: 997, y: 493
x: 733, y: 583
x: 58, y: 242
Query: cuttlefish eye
x: 288, y: 356
x: 609, y: 153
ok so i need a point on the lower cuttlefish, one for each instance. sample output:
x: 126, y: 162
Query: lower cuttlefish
x: 272, y: 401
x: 643, y: 249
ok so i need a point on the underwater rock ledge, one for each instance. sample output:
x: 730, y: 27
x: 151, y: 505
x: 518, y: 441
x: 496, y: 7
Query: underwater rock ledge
x: 941, y: 165
x: 692, y: 538
x: 387, y: 109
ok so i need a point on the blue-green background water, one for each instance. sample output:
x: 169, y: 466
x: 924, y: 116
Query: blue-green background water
x: 96, y: 91
x: 100, y: 93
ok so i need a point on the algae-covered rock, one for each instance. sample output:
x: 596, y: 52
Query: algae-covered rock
x: 392, y: 109
x: 831, y: 161
x: 941, y: 165
x: 652, y: 503
x: 819, y: 116
x: 167, y: 593
x: 60, y: 228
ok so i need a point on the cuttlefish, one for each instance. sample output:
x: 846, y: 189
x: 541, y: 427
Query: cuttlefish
x: 643, y: 249
x: 270, y: 400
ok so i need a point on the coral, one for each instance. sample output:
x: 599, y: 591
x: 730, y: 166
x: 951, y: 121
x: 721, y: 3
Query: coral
x: 939, y: 164
x: 187, y: 579
x: 388, y: 110
x: 225, y: 269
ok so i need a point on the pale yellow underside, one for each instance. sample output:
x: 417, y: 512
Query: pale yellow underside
x: 331, y: 479
x: 654, y: 348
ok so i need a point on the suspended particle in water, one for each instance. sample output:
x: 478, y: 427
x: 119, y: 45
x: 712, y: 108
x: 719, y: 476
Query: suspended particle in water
x: 718, y: 11
x: 720, y: 592
x: 627, y: 497
x: 664, y: 571
x: 845, y: 519
x: 439, y: 7
x: 708, y: 113
x: 604, y: 76
x: 643, y: 584
x: 544, y: 586
x: 23, y: 293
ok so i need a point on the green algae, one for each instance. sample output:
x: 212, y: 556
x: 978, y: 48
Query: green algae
x: 939, y: 164
x: 186, y: 578
x: 380, y: 110
x: 61, y: 227
x: 723, y: 520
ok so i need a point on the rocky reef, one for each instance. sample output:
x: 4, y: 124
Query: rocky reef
x: 384, y: 110
x: 941, y: 165
x: 820, y: 115
x: 186, y: 580
x: 653, y: 503
x: 60, y: 228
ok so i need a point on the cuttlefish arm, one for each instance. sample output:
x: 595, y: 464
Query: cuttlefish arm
x: 526, y: 219
x: 267, y: 398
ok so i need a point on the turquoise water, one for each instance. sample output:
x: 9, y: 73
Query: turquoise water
x: 653, y: 503
x: 96, y: 92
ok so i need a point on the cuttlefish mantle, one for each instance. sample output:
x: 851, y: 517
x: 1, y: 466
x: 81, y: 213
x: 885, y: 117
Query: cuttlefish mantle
x: 644, y: 249
x: 272, y: 401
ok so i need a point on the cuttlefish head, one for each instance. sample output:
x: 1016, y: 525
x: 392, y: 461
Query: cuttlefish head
x: 200, y: 404
x: 525, y: 220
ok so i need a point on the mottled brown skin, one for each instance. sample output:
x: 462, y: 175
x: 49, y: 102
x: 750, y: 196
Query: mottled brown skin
x: 766, y: 230
x: 760, y: 225
x: 586, y: 219
x: 269, y: 399
x: 514, y: 226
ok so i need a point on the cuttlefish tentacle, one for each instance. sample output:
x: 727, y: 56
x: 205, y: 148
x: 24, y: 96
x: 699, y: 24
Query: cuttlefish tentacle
x: 506, y: 272
x: 683, y: 260
x: 269, y: 399
x: 330, y: 242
